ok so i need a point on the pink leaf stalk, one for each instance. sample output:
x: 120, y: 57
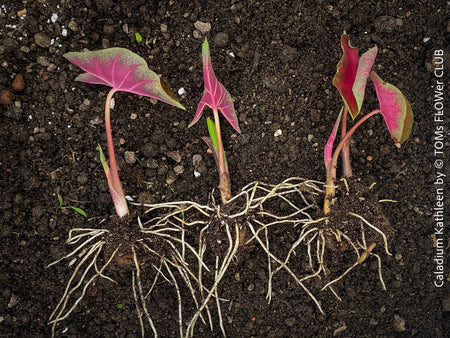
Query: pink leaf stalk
x: 218, y: 99
x: 125, y: 71
x: 328, y: 152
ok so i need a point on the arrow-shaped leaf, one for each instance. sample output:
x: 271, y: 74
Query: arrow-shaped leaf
x: 122, y: 70
x: 215, y: 95
x: 395, y: 108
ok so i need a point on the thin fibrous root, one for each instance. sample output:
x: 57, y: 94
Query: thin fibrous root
x: 252, y: 200
x: 141, y: 307
x: 86, y: 271
x: 366, y: 252
x: 89, y: 256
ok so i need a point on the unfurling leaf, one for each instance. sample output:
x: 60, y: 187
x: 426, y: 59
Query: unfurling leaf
x: 215, y: 95
x: 352, y: 73
x: 122, y: 70
x: 212, y: 144
x: 362, y: 74
x: 212, y: 132
x: 328, y: 151
x: 395, y: 108
x: 104, y: 163
x: 346, y: 74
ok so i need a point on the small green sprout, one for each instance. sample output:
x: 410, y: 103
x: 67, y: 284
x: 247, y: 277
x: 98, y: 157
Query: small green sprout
x: 120, y: 306
x: 138, y: 37
x: 79, y: 210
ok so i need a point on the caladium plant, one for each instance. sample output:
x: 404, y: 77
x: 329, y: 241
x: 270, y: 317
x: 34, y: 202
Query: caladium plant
x: 351, y: 79
x: 124, y: 71
x: 218, y: 99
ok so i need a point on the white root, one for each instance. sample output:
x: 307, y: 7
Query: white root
x: 174, y: 223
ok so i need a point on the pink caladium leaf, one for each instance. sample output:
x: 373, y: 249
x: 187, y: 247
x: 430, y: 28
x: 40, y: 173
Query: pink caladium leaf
x: 352, y: 74
x: 395, y: 108
x: 346, y: 74
x: 122, y: 70
x: 215, y: 95
x: 328, y: 151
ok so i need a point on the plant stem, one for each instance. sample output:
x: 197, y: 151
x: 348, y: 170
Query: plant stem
x: 224, y: 175
x: 345, y: 153
x: 331, y: 170
x: 114, y: 183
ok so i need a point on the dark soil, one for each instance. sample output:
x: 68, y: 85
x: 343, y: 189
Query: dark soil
x: 277, y: 59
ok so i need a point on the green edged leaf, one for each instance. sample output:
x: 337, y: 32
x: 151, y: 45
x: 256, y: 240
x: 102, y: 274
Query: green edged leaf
x: 362, y: 74
x: 215, y: 94
x: 395, y: 108
x: 122, y: 70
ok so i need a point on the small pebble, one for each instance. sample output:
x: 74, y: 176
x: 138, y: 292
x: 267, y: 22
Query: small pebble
x: 197, y: 34
x: 13, y: 301
x: 174, y: 155
x: 203, y: 27
x: 290, y: 321
x: 178, y: 170
x: 221, y: 39
x: 130, y: 157
x: 385, y: 24
x: 43, y: 60
x: 398, y: 324
x: 42, y: 40
x: 196, y: 160
x: 18, y: 83
x: 6, y: 97
x: 373, y: 322
x: 171, y: 177
x: 73, y: 26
